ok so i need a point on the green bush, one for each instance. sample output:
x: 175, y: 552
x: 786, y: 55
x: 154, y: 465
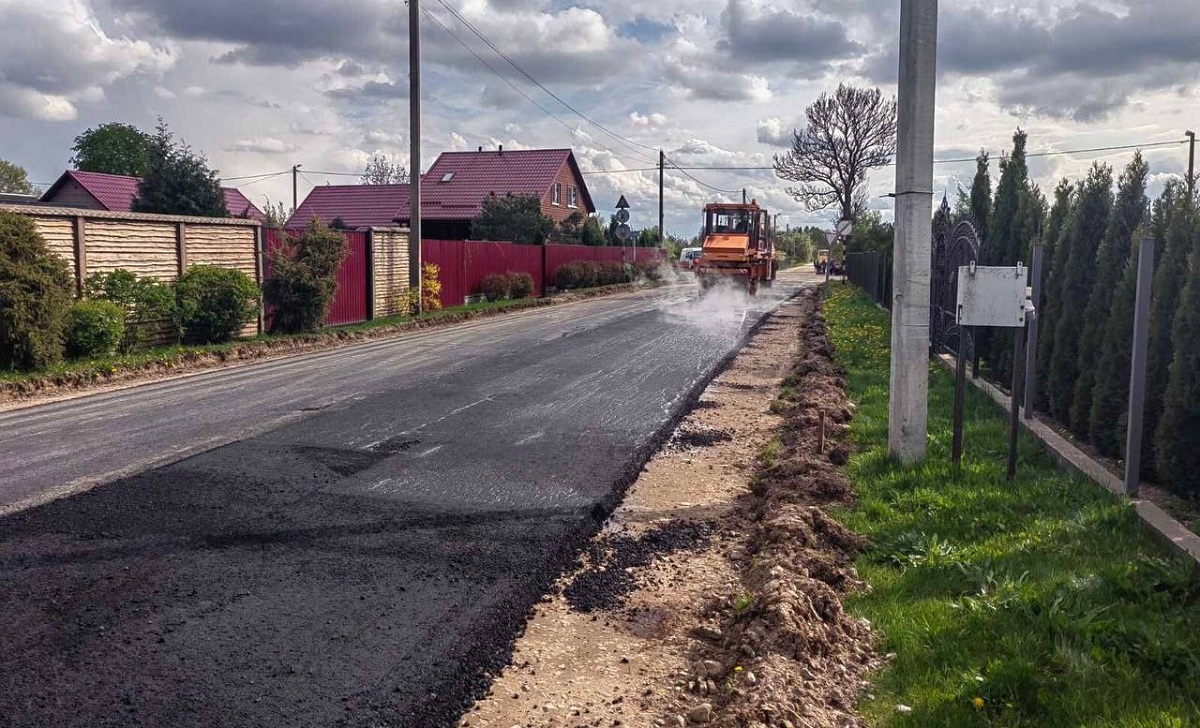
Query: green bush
x: 568, y: 276
x: 94, y: 328
x: 648, y: 270
x: 303, y: 279
x: 147, y: 303
x: 213, y: 304
x: 610, y: 273
x: 35, y: 293
x: 496, y: 286
x: 520, y: 285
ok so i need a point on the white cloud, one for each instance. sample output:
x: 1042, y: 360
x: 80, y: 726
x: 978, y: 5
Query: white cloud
x: 654, y: 119
x: 773, y: 132
x: 262, y: 145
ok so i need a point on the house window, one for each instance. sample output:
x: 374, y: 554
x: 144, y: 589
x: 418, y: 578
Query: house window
x: 556, y: 194
x: 572, y: 197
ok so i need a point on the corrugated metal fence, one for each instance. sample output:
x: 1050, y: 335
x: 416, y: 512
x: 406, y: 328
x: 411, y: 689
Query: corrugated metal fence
x: 871, y: 272
x: 350, y: 303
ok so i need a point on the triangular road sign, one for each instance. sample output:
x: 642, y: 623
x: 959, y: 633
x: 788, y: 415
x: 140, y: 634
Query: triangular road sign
x: 622, y: 204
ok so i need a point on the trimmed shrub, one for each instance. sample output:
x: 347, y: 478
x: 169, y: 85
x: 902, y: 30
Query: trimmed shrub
x: 520, y: 285
x: 35, y: 293
x: 496, y: 286
x: 431, y: 288
x: 568, y: 276
x: 648, y: 270
x: 303, y: 279
x: 147, y: 303
x: 94, y: 328
x: 610, y: 273
x: 212, y: 304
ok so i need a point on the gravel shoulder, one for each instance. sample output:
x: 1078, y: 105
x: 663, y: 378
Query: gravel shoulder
x: 712, y: 596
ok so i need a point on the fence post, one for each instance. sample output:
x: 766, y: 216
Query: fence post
x: 181, y: 246
x: 1035, y: 274
x: 1137, y: 368
x: 544, y: 282
x: 370, y: 274
x: 80, y: 254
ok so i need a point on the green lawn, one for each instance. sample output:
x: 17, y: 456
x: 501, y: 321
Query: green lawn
x: 1042, y: 602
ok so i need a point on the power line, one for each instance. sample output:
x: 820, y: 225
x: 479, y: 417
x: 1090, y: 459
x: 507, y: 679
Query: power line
x: 508, y: 81
x: 255, y: 176
x: 266, y: 177
x: 628, y: 142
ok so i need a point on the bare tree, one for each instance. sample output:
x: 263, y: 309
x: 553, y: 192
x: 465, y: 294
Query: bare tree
x: 847, y: 134
x: 380, y: 171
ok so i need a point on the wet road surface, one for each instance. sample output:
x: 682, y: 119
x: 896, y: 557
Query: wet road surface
x: 352, y: 538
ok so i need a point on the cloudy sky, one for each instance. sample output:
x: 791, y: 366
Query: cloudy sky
x: 259, y: 85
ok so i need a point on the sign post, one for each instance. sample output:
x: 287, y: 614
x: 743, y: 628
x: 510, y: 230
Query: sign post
x: 624, y: 233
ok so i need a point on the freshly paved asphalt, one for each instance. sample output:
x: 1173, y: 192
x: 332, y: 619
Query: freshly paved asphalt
x: 351, y: 538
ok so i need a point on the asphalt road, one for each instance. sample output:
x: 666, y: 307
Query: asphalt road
x: 350, y: 538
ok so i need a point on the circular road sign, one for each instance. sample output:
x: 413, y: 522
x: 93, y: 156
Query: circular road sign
x: 622, y: 216
x: 624, y: 233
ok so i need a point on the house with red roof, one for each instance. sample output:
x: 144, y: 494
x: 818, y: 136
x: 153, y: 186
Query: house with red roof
x: 115, y: 192
x: 453, y: 191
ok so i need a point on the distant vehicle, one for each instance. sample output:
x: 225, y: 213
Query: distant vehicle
x: 822, y: 261
x: 688, y: 257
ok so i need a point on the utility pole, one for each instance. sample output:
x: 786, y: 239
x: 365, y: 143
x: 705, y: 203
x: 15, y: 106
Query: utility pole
x: 295, y: 196
x: 1191, y: 178
x: 662, y: 231
x: 414, y: 154
x: 743, y: 195
x: 908, y: 410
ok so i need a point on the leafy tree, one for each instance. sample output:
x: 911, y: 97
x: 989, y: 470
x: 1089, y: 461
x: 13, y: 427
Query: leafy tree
x: 1055, y: 263
x: 1088, y: 221
x: 35, y: 294
x: 848, y: 134
x: 178, y: 181
x: 380, y: 171
x: 648, y: 238
x: 1178, y: 435
x: 517, y: 218
x: 1175, y: 219
x: 276, y: 214
x: 15, y: 180
x: 981, y: 195
x: 113, y: 148
x: 870, y: 232
x: 1111, y: 260
x: 303, y: 279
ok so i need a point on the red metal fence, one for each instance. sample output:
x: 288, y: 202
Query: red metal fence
x: 462, y: 266
x: 350, y: 303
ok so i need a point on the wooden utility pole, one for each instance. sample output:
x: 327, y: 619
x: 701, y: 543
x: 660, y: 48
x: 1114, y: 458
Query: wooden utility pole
x: 908, y: 410
x: 662, y: 231
x: 295, y: 195
x: 1191, y: 178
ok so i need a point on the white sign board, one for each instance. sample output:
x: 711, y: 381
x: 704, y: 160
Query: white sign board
x: 992, y: 296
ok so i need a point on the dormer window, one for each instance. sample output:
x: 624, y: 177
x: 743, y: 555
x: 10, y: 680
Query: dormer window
x: 572, y: 197
x: 556, y: 194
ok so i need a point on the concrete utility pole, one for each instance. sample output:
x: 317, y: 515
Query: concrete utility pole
x: 908, y: 410
x: 414, y: 154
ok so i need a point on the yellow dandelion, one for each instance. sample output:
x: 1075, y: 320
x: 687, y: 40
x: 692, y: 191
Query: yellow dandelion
x: 739, y: 668
x: 977, y: 703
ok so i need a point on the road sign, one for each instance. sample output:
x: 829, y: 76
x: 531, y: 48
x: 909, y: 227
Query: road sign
x: 624, y: 233
x: 844, y: 227
x: 622, y: 215
x: 622, y: 204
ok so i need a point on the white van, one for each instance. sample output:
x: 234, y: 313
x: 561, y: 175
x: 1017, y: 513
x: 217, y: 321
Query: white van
x: 688, y: 257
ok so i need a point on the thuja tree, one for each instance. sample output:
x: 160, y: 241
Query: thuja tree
x: 981, y: 194
x: 1111, y: 258
x: 1178, y: 436
x: 1174, y: 223
x: 35, y: 293
x: 1088, y: 221
x: 1055, y: 260
x: 1107, y: 421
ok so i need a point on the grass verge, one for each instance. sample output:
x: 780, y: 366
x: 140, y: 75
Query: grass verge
x: 1041, y: 602
x: 80, y: 374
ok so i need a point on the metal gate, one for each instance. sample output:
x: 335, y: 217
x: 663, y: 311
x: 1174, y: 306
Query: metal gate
x: 955, y: 244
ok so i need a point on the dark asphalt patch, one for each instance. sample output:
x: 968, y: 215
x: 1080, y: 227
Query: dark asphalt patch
x: 613, y: 560
x: 696, y: 437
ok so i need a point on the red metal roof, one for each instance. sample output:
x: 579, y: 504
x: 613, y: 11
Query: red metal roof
x: 357, y: 205
x: 472, y: 176
x: 116, y: 193
x: 240, y: 206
